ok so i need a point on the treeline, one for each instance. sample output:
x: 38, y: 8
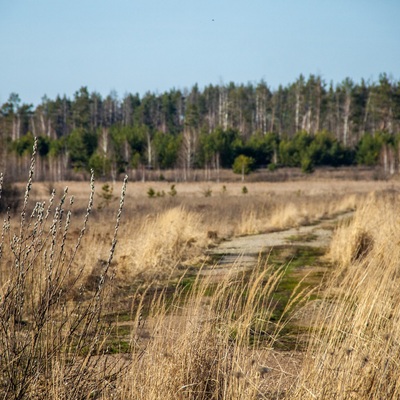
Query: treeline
x: 305, y: 124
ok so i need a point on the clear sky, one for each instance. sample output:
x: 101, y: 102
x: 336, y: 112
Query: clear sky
x: 56, y: 46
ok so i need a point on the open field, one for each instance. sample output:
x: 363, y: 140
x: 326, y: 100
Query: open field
x: 98, y: 305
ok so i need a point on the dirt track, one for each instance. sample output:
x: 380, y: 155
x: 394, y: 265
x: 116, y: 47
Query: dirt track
x: 244, y: 251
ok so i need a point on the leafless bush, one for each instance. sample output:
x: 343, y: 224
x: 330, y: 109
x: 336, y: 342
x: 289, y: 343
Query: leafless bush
x: 49, y: 344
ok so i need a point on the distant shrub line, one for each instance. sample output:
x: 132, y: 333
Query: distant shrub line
x: 215, y: 151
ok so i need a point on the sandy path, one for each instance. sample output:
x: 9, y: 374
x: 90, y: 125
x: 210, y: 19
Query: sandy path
x: 245, y: 250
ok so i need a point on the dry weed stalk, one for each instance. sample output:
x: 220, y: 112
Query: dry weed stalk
x: 51, y: 329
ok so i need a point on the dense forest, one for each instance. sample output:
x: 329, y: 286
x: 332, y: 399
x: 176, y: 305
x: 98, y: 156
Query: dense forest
x: 306, y: 124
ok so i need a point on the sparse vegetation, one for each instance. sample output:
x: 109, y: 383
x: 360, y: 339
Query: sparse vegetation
x: 309, y: 237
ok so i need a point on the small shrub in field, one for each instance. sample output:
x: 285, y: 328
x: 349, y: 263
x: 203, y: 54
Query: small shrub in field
x: 212, y: 235
x: 172, y: 191
x: 106, y: 196
x: 363, y: 243
x: 207, y: 192
x: 151, y: 193
x: 244, y: 190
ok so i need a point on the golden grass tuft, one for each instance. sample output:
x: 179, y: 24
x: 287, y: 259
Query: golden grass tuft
x: 372, y: 230
x: 174, y: 236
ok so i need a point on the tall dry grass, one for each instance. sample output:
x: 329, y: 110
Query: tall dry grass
x: 293, y: 210
x: 163, y: 242
x: 210, y: 343
x: 355, y: 352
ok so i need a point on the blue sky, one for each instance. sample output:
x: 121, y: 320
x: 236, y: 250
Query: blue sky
x: 54, y: 47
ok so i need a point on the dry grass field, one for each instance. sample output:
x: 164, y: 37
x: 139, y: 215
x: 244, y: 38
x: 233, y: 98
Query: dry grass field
x: 102, y: 294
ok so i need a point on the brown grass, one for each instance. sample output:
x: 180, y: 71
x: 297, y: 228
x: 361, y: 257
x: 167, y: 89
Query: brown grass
x: 198, y: 345
x: 163, y: 242
x: 355, y: 352
x: 70, y: 298
x: 197, y: 221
